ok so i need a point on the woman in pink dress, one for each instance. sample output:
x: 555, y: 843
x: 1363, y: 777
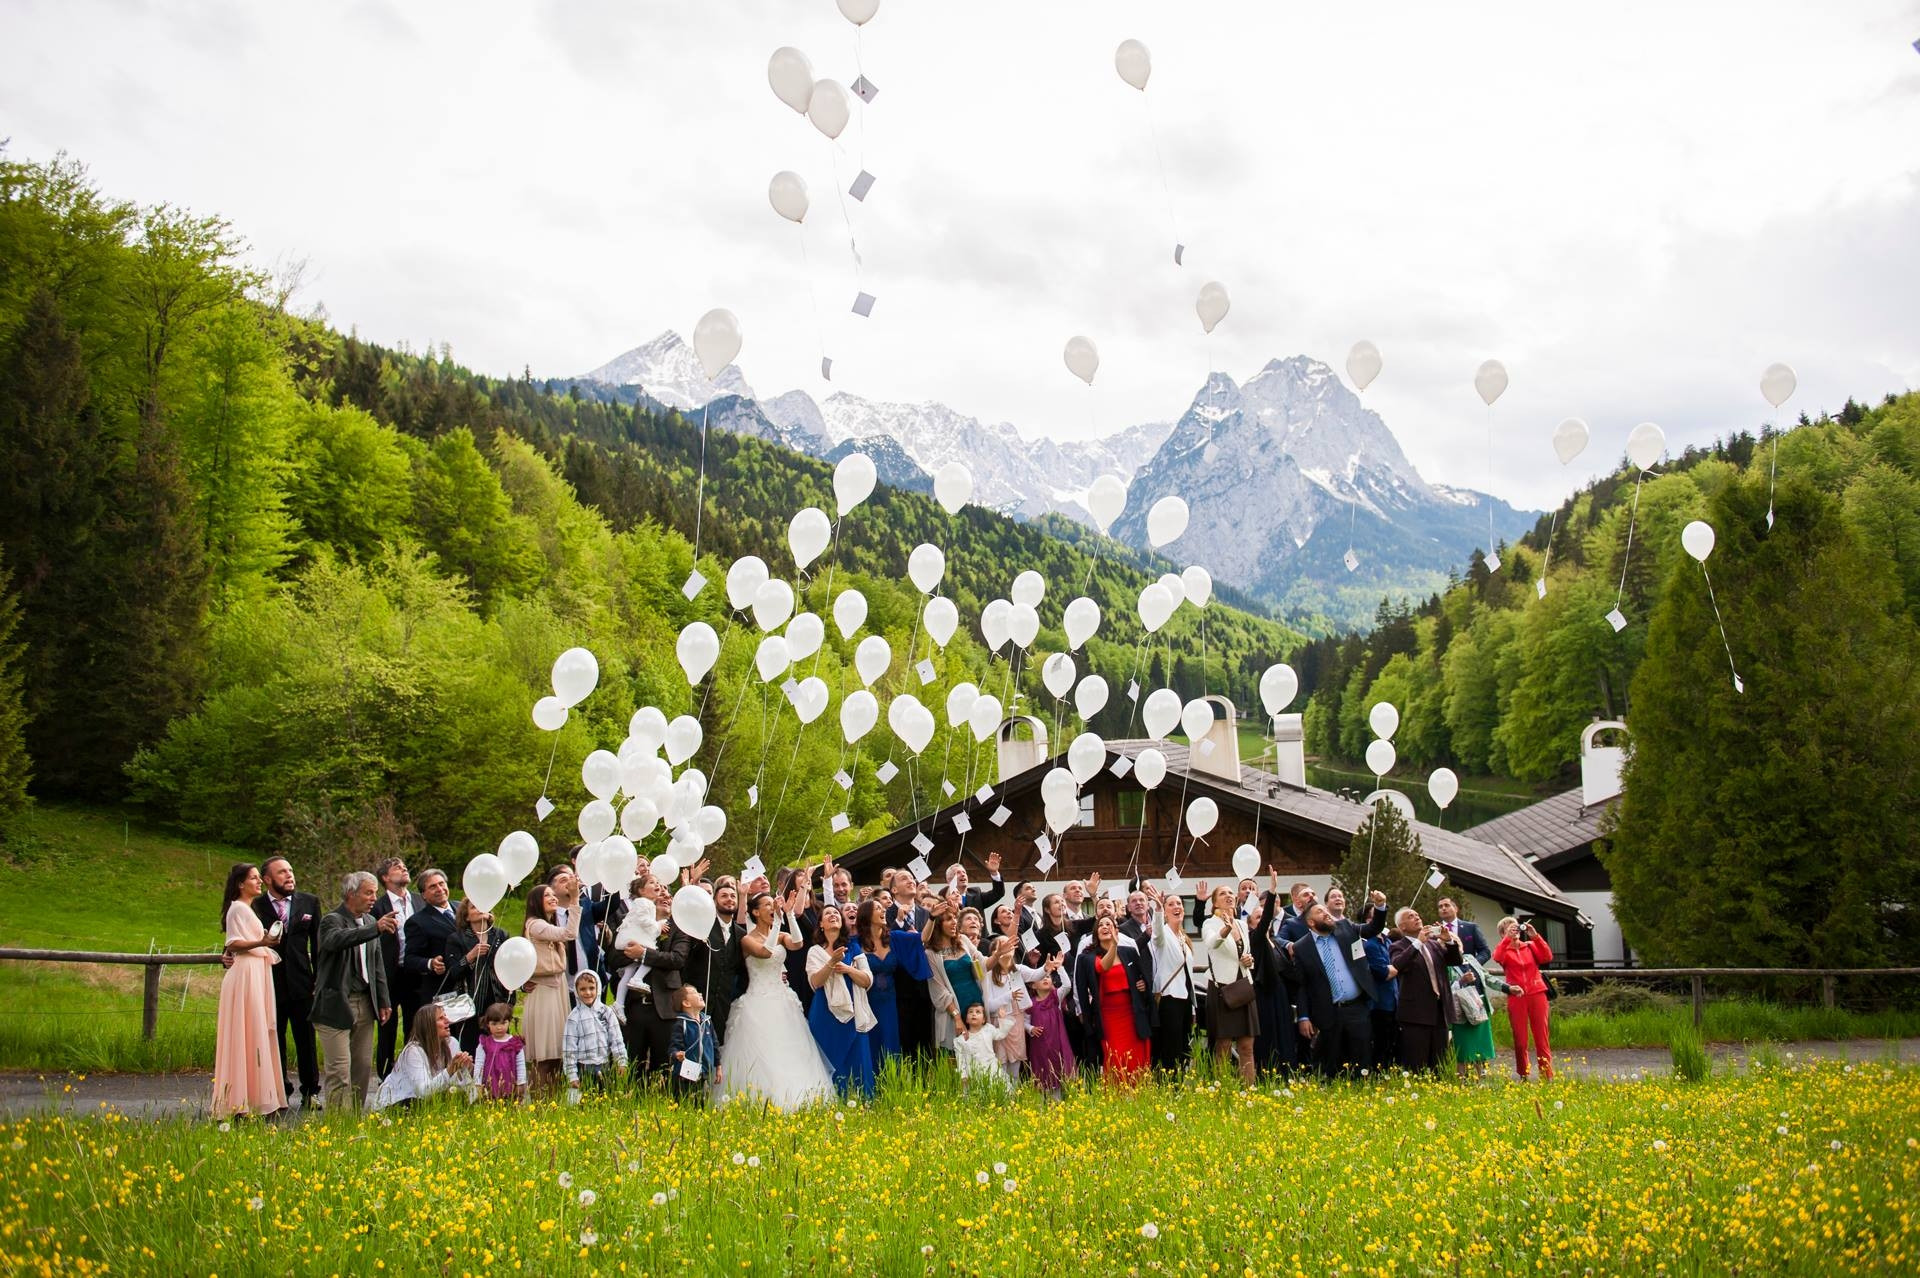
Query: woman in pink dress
x: 246, y: 1061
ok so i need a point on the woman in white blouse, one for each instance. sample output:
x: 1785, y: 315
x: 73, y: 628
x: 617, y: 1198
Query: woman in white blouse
x: 1229, y: 959
x: 1173, y: 973
x: 430, y: 1063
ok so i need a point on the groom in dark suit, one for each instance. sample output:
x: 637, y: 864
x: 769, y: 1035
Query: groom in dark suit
x: 298, y: 914
x: 650, y: 1012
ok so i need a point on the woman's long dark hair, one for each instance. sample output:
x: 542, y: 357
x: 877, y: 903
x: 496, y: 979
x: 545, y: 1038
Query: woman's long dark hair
x: 235, y: 877
x: 537, y: 904
x: 864, y: 930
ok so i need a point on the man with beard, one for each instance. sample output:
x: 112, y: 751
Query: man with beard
x: 1329, y: 966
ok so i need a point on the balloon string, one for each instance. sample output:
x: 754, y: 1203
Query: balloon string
x: 1490, y: 549
x: 853, y: 247
x: 1632, y: 515
x: 1735, y: 670
x: 726, y: 733
x: 833, y: 561
x: 779, y: 803
x: 1547, y: 562
x: 551, y: 755
x: 1373, y: 829
x: 760, y: 773
x: 826, y: 795
x: 700, y: 490
x: 1160, y: 167
x: 860, y: 70
x: 725, y: 632
x: 813, y: 295
x: 1773, y: 471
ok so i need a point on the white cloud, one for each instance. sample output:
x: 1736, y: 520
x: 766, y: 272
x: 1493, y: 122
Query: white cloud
x: 1636, y: 207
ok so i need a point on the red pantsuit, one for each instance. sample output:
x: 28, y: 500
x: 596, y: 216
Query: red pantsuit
x: 1526, y: 997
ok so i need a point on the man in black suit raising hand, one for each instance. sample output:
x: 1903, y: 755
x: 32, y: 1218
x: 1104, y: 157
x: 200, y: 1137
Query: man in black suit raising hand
x: 298, y: 916
x: 1329, y: 965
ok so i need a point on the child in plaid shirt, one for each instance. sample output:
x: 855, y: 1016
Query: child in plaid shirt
x: 591, y: 1044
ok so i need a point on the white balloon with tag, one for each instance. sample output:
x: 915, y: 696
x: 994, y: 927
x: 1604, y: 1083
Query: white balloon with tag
x: 1057, y: 673
x: 1023, y: 625
x: 960, y: 699
x: 1278, y: 687
x: 772, y: 659
x: 684, y: 736
x: 849, y: 612
x: 872, y: 658
x: 953, y: 487
x: 1202, y: 815
x: 1569, y: 439
x: 1490, y: 381
x: 1166, y: 520
x: 996, y: 623
x: 1197, y: 584
x: 1384, y: 719
x: 1697, y: 539
x: 1381, y: 757
x: 772, y: 604
x: 1161, y: 712
x: 805, y: 633
x: 1363, y: 365
x: 984, y: 717
x: 1196, y: 718
x: 807, y: 535
x: 1086, y: 756
x: 910, y: 721
x: 1645, y: 445
x: 853, y: 481
x: 744, y: 580
x: 1156, y: 605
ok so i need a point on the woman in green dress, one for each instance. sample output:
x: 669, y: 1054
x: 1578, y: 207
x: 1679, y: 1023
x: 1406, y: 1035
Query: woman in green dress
x: 1473, y: 1031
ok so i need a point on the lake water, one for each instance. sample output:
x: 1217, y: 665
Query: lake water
x: 1469, y: 807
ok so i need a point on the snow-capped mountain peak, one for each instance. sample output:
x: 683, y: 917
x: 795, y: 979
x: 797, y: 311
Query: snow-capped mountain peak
x: 668, y: 371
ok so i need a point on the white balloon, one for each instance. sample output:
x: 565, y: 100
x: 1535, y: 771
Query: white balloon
x: 1090, y: 698
x: 639, y: 818
x: 996, y: 623
x: 1443, y: 785
x: 1156, y: 605
x: 1133, y: 63
x: 1086, y: 756
x: 1160, y: 714
x: 1176, y: 587
x: 1645, y: 444
x: 647, y: 778
x: 1083, y: 359
x: 853, y: 481
x: 1697, y: 537
x: 549, y: 714
x: 859, y: 711
x: 1384, y: 719
x: 744, y: 580
x: 596, y: 820
x: 684, y: 736
x: 1380, y: 757
x: 984, y: 717
x: 1202, y: 815
x: 804, y: 635
x: 953, y: 487
x: 807, y: 535
x: 1029, y: 588
x: 829, y: 109
x: 1490, y: 381
x: 926, y: 566
x: 1058, y: 786
x: 1023, y: 625
x: 859, y: 12
x: 1569, y: 439
x: 1149, y: 768
x: 872, y: 658
x: 772, y: 604
x: 697, y: 648
x: 772, y: 658
x: 1363, y: 365
x: 1080, y: 620
x: 696, y: 782
x: 941, y: 619
x: 1212, y: 305
x: 1057, y: 673
x: 791, y: 76
x: 1246, y: 861
x: 519, y: 853
x: 716, y: 340
x: 849, y: 612
x: 1197, y: 583
x: 619, y: 863
x: 911, y: 722
x: 1278, y: 687
x: 648, y: 728
x: 693, y: 911
x: 484, y: 881
x: 1196, y: 718
x: 709, y: 823
x: 1062, y: 815
x: 513, y: 963
x: 1166, y: 520
x: 1106, y: 499
x: 600, y: 773
x: 665, y: 869
x: 810, y: 698
x: 1777, y: 384
x: 1393, y: 799
x: 787, y: 192
x: 683, y: 847
x: 960, y: 703
x: 575, y: 674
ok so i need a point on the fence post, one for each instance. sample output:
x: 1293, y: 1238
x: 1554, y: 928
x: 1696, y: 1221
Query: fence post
x: 1826, y: 991
x: 150, y: 1003
x: 1699, y: 1001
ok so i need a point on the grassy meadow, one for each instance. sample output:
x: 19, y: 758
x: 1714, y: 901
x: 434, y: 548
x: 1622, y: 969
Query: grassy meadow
x: 1808, y: 1170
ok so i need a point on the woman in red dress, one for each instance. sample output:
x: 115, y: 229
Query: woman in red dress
x: 1112, y: 979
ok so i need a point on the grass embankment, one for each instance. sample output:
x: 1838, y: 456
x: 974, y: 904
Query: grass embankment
x: 1803, y: 1171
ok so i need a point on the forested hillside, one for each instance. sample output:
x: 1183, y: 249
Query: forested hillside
x: 286, y: 586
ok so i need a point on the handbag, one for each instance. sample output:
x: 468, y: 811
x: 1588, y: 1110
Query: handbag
x: 1467, y: 1003
x: 458, y: 1007
x: 1237, y: 994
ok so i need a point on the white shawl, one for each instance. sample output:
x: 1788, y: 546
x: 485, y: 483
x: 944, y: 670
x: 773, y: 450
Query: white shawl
x: 846, y: 998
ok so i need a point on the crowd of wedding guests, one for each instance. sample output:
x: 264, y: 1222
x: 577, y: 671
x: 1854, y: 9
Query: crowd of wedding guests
x: 806, y: 986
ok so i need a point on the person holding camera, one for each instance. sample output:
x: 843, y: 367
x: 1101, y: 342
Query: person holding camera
x: 1521, y: 953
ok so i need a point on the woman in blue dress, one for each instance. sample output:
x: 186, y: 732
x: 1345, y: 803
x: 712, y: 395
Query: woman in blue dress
x: 893, y: 955
x: 839, y: 1015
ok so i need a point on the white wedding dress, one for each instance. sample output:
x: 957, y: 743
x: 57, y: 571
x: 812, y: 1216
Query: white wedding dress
x: 770, y: 1054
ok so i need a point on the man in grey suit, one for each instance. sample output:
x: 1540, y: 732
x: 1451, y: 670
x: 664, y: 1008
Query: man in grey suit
x: 350, y: 994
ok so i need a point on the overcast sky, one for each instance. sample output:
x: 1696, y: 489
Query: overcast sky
x: 1635, y: 206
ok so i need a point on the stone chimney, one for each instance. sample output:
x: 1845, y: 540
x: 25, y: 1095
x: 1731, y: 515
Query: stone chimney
x: 1019, y: 754
x: 1218, y: 752
x: 1289, y: 750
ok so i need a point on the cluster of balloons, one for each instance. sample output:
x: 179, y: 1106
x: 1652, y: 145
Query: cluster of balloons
x: 576, y: 673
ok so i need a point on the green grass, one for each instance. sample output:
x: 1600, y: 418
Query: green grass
x: 1807, y: 1170
x: 1728, y: 1021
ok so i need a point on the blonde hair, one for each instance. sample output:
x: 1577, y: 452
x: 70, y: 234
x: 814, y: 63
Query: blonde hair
x: 1505, y: 923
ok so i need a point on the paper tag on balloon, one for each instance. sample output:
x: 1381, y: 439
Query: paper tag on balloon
x: 962, y: 822
x: 1204, y: 749
x: 755, y: 868
x: 920, y: 870
x: 922, y: 844
x: 1618, y: 620
x: 845, y: 781
x: 861, y: 185
x: 826, y: 369
x: 1540, y: 588
x: 866, y: 90
x: 695, y: 584
x: 1120, y: 766
x: 1493, y: 562
x: 753, y: 796
x: 1351, y: 560
x: 863, y: 304
x: 790, y: 687
x: 1738, y: 686
x: 984, y: 793
x: 1358, y: 950
x: 543, y: 807
x: 1000, y: 814
x: 1770, y: 509
x: 1117, y: 892
x: 690, y: 1070
x: 1436, y: 877
x: 1044, y: 843
x: 925, y: 670
x: 886, y: 772
x: 839, y: 822
x: 1028, y: 941
x: 1133, y: 689
x: 946, y: 787
x: 1174, y: 880
x: 1046, y: 862
x: 1179, y: 251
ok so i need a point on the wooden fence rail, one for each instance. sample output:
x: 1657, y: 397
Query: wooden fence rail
x: 150, y: 990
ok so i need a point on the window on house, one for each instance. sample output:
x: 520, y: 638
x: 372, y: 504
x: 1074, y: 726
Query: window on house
x: 1086, y: 811
x: 1133, y: 809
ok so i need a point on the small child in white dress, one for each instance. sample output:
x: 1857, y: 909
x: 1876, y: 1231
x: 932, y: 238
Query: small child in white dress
x: 973, y: 1050
x: 641, y: 927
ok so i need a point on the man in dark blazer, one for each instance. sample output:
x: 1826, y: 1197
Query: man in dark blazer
x: 650, y: 1012
x: 1419, y: 958
x: 1329, y: 968
x: 1468, y: 934
x: 594, y: 905
x: 298, y: 914
x: 981, y: 899
x: 726, y: 965
x: 906, y: 913
x: 427, y: 934
x: 394, y: 897
x: 350, y: 995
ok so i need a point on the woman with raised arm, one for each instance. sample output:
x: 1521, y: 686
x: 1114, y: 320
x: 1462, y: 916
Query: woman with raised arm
x: 769, y: 1054
x: 893, y: 955
x: 1232, y: 1018
x: 1173, y: 969
x: 956, y: 971
x: 1114, y: 1002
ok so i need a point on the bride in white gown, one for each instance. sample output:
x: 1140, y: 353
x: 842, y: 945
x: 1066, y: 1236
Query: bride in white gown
x: 770, y: 1054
